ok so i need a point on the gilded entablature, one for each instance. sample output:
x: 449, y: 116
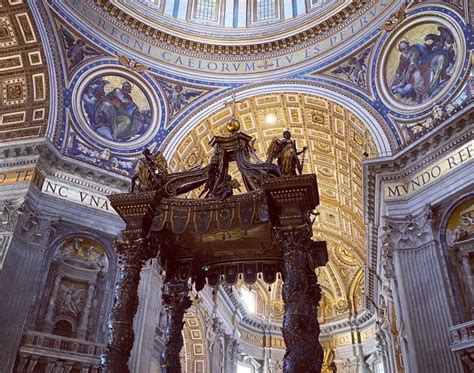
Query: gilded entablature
x: 297, y: 47
x: 24, y: 80
x: 309, y: 29
x: 354, y: 70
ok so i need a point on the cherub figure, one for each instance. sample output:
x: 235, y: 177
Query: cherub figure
x: 285, y: 151
x: 178, y: 97
x: 77, y: 50
x: 149, y: 170
x: 355, y: 69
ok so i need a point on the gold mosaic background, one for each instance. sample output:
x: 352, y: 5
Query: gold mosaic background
x: 137, y: 94
x: 456, y: 221
x: 24, y: 85
x: 337, y: 141
x: 415, y: 35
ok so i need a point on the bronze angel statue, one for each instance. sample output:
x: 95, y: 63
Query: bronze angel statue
x: 285, y: 151
x: 149, y: 169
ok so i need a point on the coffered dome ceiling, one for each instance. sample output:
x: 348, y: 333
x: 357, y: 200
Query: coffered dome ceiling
x: 337, y: 143
x: 24, y: 77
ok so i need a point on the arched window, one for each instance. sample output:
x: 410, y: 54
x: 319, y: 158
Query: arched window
x: 265, y: 9
x: 248, y: 299
x: 206, y: 10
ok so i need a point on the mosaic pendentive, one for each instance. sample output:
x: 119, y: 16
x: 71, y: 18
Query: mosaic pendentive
x: 354, y: 70
x: 102, y: 158
x: 179, y: 95
x: 76, y: 49
x: 426, y: 56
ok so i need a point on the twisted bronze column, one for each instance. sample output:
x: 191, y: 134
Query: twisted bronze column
x: 176, y: 301
x: 301, y: 295
x: 132, y: 256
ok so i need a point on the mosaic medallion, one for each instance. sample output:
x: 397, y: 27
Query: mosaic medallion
x: 420, y: 64
x: 117, y: 109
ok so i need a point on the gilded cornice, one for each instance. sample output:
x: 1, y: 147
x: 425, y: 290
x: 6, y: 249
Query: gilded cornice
x: 425, y: 150
x: 50, y: 162
x: 336, y: 21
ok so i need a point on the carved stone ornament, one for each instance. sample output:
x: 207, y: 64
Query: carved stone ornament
x: 9, y: 215
x: 36, y: 229
x: 410, y: 232
x: 8, y: 218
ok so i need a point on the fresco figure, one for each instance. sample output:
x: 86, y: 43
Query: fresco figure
x: 114, y: 115
x: 178, y: 97
x: 423, y: 69
x: 76, y: 49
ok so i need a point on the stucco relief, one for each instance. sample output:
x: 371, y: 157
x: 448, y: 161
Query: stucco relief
x: 460, y: 238
x: 77, y: 272
x: 460, y: 226
x: 83, y: 253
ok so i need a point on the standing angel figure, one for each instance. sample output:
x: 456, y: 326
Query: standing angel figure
x: 285, y: 151
x: 149, y: 169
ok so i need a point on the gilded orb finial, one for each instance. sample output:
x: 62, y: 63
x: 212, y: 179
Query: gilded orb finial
x: 233, y: 125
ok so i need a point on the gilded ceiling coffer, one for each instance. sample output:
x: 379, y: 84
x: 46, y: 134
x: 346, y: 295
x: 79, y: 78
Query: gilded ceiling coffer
x: 220, y: 237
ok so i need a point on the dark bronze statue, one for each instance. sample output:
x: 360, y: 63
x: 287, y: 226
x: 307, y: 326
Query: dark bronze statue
x: 286, y: 153
x: 274, y: 217
x: 149, y: 170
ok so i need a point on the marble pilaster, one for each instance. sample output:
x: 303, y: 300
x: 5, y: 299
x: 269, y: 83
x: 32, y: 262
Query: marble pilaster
x: 415, y: 268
